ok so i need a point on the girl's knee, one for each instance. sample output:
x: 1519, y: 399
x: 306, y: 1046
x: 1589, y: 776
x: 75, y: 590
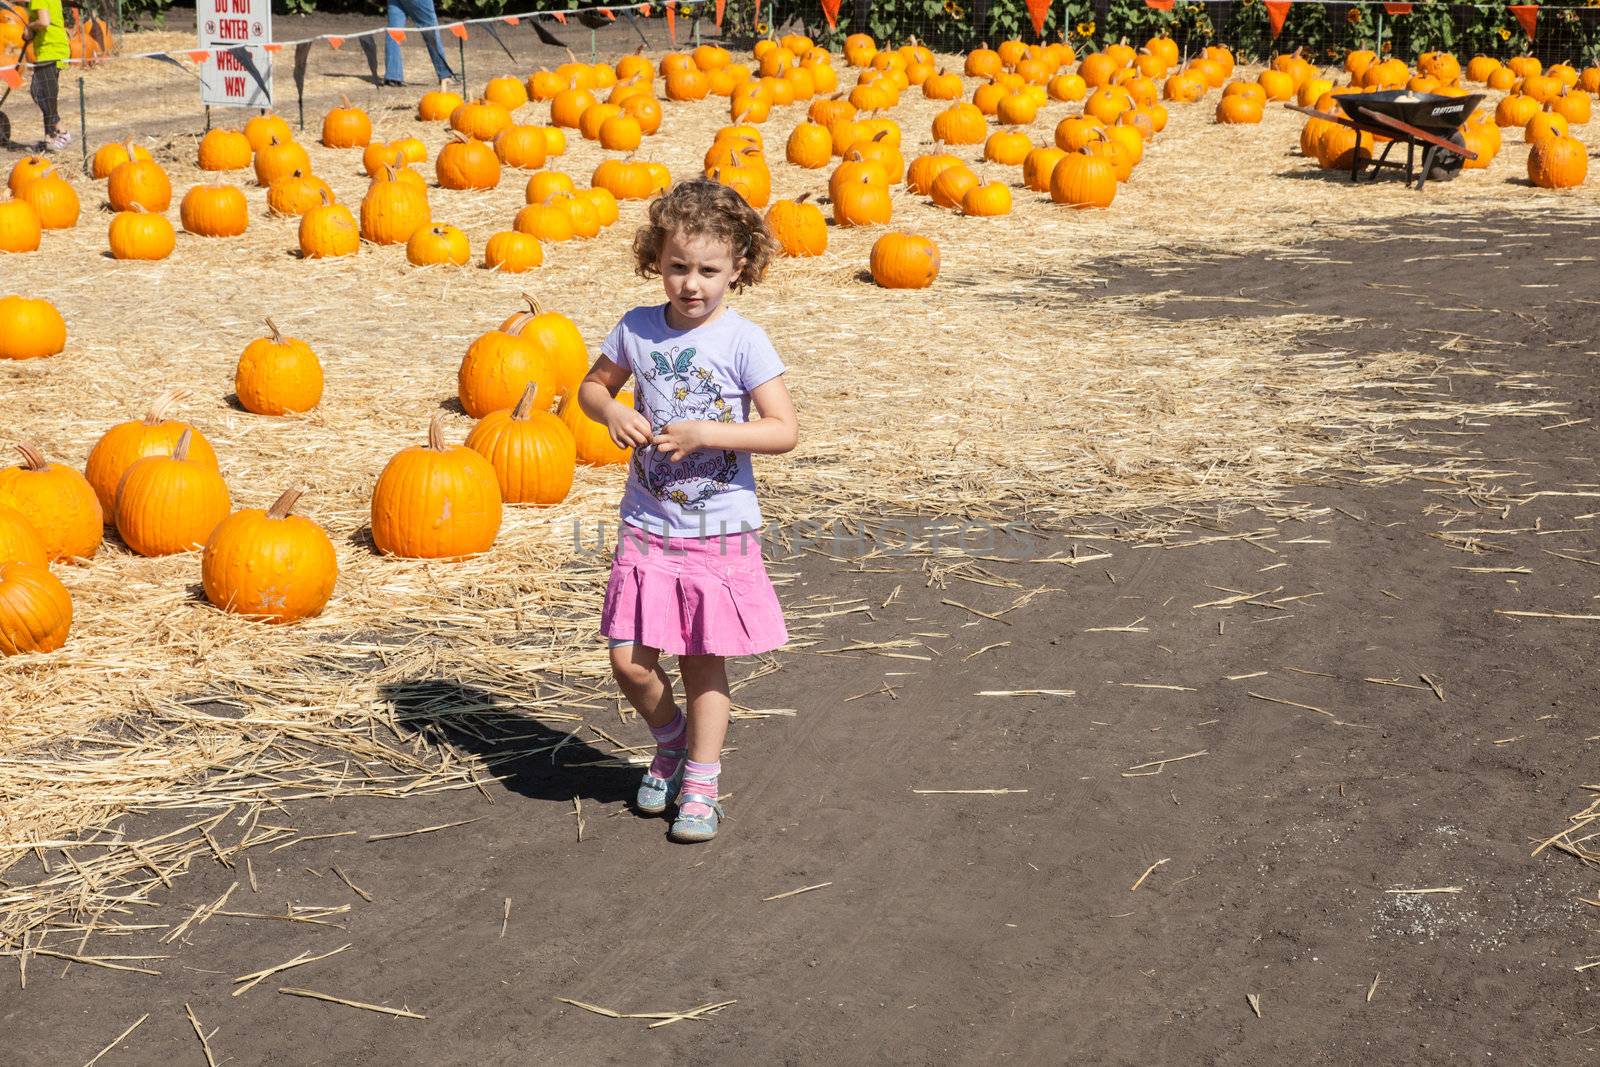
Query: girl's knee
x: 633, y: 664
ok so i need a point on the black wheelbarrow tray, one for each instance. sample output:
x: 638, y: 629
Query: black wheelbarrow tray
x: 1427, y: 121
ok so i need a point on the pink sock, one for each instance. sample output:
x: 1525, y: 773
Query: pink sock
x: 671, y: 737
x: 700, y: 778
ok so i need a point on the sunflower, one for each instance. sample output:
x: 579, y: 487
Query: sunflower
x: 955, y: 10
x: 1505, y: 34
x: 1085, y: 29
x: 1353, y: 16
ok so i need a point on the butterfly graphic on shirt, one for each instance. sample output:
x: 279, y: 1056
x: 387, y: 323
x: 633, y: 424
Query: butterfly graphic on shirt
x: 678, y: 391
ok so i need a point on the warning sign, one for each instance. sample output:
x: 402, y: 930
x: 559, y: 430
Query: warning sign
x: 237, y: 70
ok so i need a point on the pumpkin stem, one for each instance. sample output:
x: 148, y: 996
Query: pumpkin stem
x: 277, y: 335
x: 181, y: 452
x: 32, y: 458
x: 519, y: 322
x: 802, y: 198
x: 346, y: 100
x: 161, y: 405
x: 285, y: 504
x: 436, y: 435
x: 533, y: 303
x: 524, y: 406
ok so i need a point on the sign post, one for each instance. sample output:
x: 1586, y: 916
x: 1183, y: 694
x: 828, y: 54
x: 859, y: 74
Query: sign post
x: 230, y: 78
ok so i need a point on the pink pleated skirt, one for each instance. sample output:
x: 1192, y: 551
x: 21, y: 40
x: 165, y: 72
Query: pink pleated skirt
x: 692, y: 596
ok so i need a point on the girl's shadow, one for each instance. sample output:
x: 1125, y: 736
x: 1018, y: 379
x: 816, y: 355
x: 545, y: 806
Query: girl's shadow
x: 531, y: 758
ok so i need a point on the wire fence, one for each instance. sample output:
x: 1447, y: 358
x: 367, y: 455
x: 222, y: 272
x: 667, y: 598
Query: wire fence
x: 1325, y: 30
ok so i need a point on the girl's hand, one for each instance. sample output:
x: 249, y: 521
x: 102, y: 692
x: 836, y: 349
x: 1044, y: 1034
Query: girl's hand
x: 681, y: 439
x: 628, y: 428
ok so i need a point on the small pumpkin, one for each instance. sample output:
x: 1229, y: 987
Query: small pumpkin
x: 904, y: 261
x: 139, y: 234
x: 987, y: 200
x: 278, y: 375
x: 810, y: 145
x: 557, y: 335
x: 960, y: 124
x: 591, y: 439
x: 480, y: 120
x: 799, y: 228
x: 59, y: 502
x: 215, y: 211
x: 53, y: 200
x: 35, y: 609
x: 1038, y: 166
x: 1009, y: 147
x: 604, y: 203
x: 280, y: 158
x: 222, y: 149
x: 269, y: 565
x: 621, y: 133
x: 924, y: 169
x: 863, y: 202
x: 169, y: 504
x: 438, y: 105
x: 544, y: 222
x: 128, y: 442
x: 20, y: 229
x: 436, y: 502
x: 262, y: 130
x: 951, y: 186
x: 298, y: 193
x: 346, y: 127
x: 25, y: 171
x: 532, y: 452
x: 19, y: 541
x: 436, y: 244
x: 30, y: 329
x: 378, y: 155
x: 512, y: 252
x: 464, y: 163
x: 141, y: 183
x: 328, y: 231
x: 108, y: 157
x: 547, y: 183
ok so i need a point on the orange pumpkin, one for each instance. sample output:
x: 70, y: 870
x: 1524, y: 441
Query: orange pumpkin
x: 269, y: 565
x: 436, y: 502
x: 126, y: 443
x: 35, y: 609
x: 60, y: 505
x: 168, y: 504
x: 532, y: 452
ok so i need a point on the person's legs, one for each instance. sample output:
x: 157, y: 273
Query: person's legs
x: 44, y: 88
x: 647, y: 687
x: 423, y: 14
x: 393, y: 65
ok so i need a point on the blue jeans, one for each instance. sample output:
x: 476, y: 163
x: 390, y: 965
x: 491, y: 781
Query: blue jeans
x: 421, y: 13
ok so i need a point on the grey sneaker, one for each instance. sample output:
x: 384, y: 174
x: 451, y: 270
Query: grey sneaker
x: 60, y: 141
x: 693, y: 828
x: 656, y: 793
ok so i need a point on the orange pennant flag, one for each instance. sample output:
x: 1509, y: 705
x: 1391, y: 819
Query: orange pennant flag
x: 611, y: 16
x: 721, y: 5
x: 672, y: 20
x: 830, y: 11
x: 1277, y: 11
x: 459, y: 30
x: 399, y: 36
x: 644, y: 9
x: 512, y: 20
x: 1527, y: 15
x: 336, y: 42
x: 1397, y: 9
x: 1158, y: 5
x: 1038, y: 11
x: 12, y: 77
x: 272, y: 48
x: 200, y: 55
x: 560, y: 17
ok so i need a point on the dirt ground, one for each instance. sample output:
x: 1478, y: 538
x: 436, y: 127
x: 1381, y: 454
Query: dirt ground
x: 1343, y: 711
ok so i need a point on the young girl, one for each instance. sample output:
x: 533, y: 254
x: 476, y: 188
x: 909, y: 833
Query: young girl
x: 687, y: 578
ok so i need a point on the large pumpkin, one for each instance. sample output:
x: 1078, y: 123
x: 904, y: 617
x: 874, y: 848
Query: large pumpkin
x: 1558, y: 163
x: 904, y: 261
x: 53, y: 200
x: 126, y: 443
x: 59, y: 503
x: 280, y: 158
x: 502, y: 363
x: 168, y: 504
x: 593, y: 442
x: 20, y: 230
x: 139, y: 234
x: 798, y: 227
x: 30, y: 329
x: 1083, y: 179
x: 35, y: 609
x: 464, y: 163
x: 559, y: 336
x: 512, y: 252
x: 392, y: 211
x: 222, y: 149
x: 532, y: 452
x: 269, y: 565
x: 19, y: 541
x: 297, y: 194
x: 436, y: 502
x: 436, y: 245
x: 278, y: 375
x: 140, y: 182
x: 108, y: 157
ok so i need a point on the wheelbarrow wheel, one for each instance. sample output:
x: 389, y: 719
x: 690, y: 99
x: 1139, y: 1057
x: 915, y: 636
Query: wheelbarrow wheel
x: 1446, y: 165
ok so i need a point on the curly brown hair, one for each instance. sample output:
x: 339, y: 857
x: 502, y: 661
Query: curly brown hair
x: 702, y: 207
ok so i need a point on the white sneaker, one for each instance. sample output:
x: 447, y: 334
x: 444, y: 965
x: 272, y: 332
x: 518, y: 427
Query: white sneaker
x: 60, y: 141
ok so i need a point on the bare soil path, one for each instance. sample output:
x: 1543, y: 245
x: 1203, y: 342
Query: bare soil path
x: 1358, y: 721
